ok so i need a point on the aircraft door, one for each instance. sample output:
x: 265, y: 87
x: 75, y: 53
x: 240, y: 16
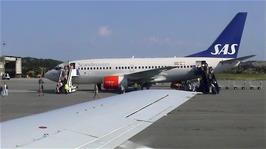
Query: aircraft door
x: 73, y: 65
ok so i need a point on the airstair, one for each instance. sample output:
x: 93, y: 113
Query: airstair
x: 71, y: 73
x: 66, y: 76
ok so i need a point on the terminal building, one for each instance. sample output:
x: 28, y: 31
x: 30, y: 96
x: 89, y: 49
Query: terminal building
x: 11, y: 65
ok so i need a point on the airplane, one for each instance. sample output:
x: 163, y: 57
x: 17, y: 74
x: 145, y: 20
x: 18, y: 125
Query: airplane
x: 102, y: 123
x: 119, y: 73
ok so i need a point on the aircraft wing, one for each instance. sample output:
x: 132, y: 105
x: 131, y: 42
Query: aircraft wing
x: 147, y: 74
x: 103, y: 123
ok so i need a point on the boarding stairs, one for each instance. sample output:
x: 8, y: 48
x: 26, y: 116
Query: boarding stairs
x: 71, y: 73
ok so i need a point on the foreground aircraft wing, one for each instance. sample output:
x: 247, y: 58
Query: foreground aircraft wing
x: 237, y: 59
x: 103, y: 123
x: 147, y: 74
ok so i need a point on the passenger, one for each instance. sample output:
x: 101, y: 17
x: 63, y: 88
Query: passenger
x: 214, y: 82
x: 41, y: 86
x: 96, y: 91
x: 58, y: 85
x: 5, y: 89
x: 1, y: 90
x: 61, y: 87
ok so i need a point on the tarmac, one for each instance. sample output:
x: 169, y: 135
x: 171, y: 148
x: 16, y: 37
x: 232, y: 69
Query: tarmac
x: 232, y: 119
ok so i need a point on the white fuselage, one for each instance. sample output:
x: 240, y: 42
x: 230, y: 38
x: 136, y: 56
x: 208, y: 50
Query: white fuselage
x: 94, y: 70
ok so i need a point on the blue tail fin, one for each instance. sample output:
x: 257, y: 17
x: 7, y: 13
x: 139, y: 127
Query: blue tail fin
x: 228, y: 42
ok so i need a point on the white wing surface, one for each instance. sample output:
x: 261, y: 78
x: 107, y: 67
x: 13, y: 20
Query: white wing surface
x: 103, y: 123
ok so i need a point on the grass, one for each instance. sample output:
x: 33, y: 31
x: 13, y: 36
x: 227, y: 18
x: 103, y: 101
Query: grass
x: 241, y: 76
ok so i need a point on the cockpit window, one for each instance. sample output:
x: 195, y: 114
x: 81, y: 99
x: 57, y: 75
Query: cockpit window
x: 57, y: 68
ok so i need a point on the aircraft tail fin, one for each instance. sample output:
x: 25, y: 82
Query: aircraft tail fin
x: 228, y: 42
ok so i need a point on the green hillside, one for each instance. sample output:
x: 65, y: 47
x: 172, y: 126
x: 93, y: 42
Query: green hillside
x: 32, y: 67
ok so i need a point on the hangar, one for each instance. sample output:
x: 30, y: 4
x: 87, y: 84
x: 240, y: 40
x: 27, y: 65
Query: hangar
x: 11, y: 65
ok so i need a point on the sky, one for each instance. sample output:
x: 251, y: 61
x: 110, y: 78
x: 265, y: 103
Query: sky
x: 72, y: 30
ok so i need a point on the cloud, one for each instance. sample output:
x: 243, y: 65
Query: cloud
x: 104, y: 31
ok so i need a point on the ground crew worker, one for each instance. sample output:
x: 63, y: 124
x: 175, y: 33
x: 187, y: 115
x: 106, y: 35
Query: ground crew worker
x: 66, y: 88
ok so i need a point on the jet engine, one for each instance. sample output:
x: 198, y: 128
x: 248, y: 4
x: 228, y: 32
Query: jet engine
x: 114, y: 82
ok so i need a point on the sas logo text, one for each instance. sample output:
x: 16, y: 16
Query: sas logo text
x: 226, y: 49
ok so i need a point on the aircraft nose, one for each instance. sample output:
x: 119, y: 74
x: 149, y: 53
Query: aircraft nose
x: 52, y: 75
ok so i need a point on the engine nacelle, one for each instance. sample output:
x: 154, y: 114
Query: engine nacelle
x: 114, y: 82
